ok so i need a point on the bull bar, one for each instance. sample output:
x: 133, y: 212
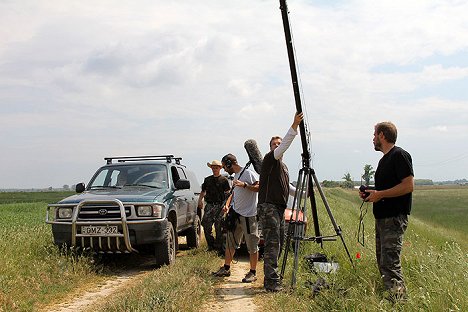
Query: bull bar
x: 123, y: 222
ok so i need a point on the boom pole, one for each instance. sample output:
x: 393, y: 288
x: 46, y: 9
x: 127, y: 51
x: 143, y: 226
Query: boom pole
x: 307, y: 177
x: 302, y: 126
x: 295, y: 82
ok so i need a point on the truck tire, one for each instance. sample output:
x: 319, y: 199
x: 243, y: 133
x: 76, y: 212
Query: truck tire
x: 193, y: 234
x: 165, y: 251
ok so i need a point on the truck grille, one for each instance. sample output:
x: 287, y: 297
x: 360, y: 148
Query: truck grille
x: 103, y: 244
x: 101, y: 212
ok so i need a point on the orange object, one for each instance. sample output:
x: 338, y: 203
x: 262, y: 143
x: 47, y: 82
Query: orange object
x: 288, y: 212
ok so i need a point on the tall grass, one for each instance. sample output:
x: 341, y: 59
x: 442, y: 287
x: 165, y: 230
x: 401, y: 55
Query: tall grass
x: 32, y: 270
x: 183, y: 286
x: 434, y: 264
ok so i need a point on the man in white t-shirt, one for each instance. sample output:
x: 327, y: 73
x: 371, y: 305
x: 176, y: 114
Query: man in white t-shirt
x: 244, y: 203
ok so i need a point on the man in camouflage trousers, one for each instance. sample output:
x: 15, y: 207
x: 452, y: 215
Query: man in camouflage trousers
x: 392, y: 198
x: 215, y: 190
x: 272, y: 200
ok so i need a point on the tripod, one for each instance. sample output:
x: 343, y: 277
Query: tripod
x: 307, y: 178
x: 296, y: 226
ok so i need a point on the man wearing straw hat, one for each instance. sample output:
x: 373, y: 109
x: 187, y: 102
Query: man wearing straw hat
x: 215, y: 189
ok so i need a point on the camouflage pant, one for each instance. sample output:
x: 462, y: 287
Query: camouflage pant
x: 388, y: 242
x: 213, y: 216
x: 272, y: 225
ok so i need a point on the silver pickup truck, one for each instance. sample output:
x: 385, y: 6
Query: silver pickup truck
x: 131, y: 204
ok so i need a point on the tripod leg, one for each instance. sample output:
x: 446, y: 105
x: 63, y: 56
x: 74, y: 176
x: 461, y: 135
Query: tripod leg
x: 291, y: 224
x: 332, y: 218
x: 286, y: 246
x: 299, y: 224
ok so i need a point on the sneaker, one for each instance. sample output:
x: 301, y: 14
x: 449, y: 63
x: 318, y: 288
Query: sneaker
x: 275, y: 288
x: 222, y: 272
x: 249, y: 278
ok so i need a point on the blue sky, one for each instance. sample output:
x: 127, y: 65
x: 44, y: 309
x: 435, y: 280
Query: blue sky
x: 83, y: 80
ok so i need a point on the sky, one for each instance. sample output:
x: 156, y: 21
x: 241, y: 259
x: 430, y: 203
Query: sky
x: 83, y: 80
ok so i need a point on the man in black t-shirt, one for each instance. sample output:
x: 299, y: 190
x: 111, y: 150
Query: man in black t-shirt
x: 394, y: 183
x: 215, y: 190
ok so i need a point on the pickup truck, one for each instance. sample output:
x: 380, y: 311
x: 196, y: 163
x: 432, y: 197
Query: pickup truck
x: 131, y: 204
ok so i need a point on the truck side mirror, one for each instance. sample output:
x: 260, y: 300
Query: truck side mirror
x: 182, y: 184
x: 80, y: 187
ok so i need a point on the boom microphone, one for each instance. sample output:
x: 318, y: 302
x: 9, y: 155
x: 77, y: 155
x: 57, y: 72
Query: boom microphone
x: 255, y: 157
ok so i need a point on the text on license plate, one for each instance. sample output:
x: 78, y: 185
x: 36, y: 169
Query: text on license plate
x: 99, y: 230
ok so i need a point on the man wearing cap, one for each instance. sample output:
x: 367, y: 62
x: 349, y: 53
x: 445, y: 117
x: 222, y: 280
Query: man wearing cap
x: 215, y: 190
x: 243, y: 201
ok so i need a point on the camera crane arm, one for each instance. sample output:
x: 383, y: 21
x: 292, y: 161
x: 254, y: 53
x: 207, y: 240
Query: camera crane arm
x: 306, y: 174
x: 306, y: 155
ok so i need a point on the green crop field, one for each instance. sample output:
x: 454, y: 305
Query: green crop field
x: 443, y: 209
x: 32, y: 270
x: 34, y: 273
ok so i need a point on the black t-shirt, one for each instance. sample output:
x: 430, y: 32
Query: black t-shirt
x: 392, y: 169
x: 216, y: 188
x: 274, y: 181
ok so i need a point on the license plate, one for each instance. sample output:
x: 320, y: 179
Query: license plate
x: 99, y: 230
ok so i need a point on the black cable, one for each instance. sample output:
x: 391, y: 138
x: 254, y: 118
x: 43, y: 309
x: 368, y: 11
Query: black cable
x: 363, y: 213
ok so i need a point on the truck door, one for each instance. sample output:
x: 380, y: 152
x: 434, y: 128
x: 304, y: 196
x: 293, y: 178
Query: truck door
x: 181, y: 198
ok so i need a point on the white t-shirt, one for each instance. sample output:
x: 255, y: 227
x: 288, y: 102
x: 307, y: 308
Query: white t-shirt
x: 244, y: 200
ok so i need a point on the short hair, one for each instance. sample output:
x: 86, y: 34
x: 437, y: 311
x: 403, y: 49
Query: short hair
x: 229, y: 159
x: 388, y: 129
x: 274, y: 138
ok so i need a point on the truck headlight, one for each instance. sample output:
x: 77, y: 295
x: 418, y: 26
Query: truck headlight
x: 150, y: 211
x: 145, y: 211
x: 64, y: 213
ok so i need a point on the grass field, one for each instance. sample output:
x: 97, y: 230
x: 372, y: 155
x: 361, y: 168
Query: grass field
x: 34, y: 273
x: 32, y: 269
x: 434, y: 259
x: 443, y: 209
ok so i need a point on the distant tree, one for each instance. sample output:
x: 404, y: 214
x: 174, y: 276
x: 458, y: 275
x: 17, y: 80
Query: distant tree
x: 327, y: 183
x: 347, y: 177
x: 423, y: 182
x: 66, y: 187
x: 368, y: 174
x: 348, y: 183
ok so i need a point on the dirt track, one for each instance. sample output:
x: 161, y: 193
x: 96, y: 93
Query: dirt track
x: 230, y: 293
x: 89, y: 298
x: 80, y: 299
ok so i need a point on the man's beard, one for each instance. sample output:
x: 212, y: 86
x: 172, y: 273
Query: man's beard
x: 378, y: 145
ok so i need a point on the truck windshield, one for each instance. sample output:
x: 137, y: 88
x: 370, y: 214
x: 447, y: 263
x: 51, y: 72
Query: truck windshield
x: 118, y: 176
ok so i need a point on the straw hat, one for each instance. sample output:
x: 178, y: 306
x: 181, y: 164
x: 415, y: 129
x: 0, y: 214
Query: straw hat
x: 214, y: 163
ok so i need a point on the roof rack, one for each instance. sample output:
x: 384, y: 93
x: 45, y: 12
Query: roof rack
x: 168, y: 158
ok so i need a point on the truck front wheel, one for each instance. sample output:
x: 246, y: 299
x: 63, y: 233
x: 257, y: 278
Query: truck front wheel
x: 165, y: 250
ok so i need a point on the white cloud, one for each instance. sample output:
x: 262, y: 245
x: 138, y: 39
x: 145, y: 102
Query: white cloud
x: 440, y: 128
x: 83, y: 80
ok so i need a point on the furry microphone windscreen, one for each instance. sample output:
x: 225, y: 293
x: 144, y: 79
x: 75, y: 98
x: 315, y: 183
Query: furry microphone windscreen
x: 255, y: 157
